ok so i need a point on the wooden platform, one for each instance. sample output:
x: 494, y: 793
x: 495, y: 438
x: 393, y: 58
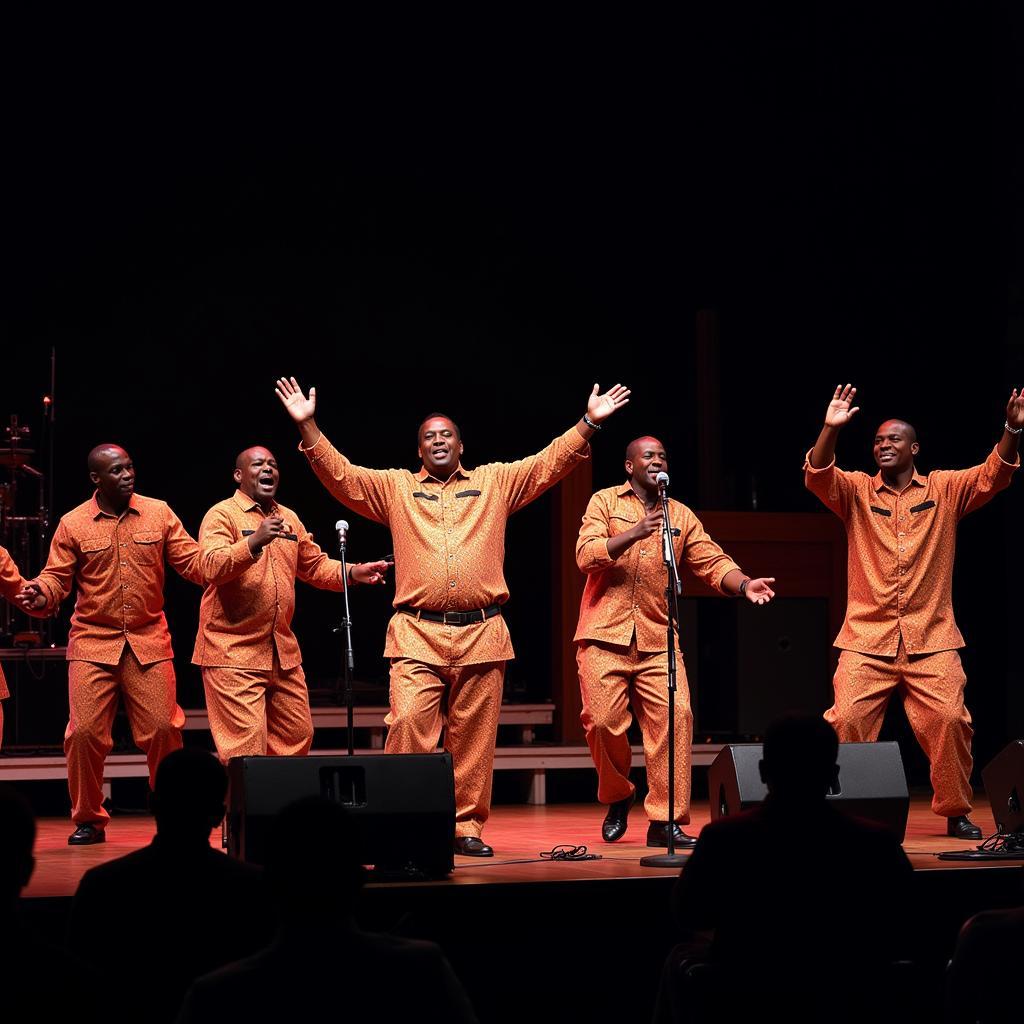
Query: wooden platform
x: 517, y: 833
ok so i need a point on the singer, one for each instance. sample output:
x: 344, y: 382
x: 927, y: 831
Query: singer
x: 900, y: 633
x: 251, y: 549
x: 621, y: 638
x: 447, y: 641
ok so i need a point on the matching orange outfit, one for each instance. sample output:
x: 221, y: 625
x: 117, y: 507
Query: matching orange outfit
x: 449, y: 539
x: 622, y: 654
x: 899, y: 629
x: 118, y: 641
x: 256, y: 694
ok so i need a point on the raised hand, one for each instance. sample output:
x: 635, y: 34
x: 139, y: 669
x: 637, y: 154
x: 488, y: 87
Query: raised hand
x: 299, y: 407
x: 758, y: 592
x: 839, y: 412
x: 31, y: 596
x: 1015, y: 409
x: 370, y: 572
x: 600, y: 407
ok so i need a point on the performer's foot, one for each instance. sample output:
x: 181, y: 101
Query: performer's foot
x: 86, y: 835
x: 615, y: 821
x: 657, y: 835
x: 961, y: 827
x: 472, y: 846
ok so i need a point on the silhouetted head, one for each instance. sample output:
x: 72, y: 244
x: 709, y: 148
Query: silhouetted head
x: 312, y: 866
x: 17, y: 838
x: 440, y: 445
x: 256, y: 474
x: 895, y: 446
x: 188, y: 797
x: 645, y: 459
x: 799, y: 758
x: 112, y: 471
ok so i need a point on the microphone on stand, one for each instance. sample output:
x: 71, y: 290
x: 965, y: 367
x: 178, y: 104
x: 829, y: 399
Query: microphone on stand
x: 342, y: 527
x: 662, y: 481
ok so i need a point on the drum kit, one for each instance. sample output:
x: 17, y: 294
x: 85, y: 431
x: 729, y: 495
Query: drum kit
x: 24, y: 530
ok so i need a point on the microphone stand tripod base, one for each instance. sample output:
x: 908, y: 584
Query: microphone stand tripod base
x: 663, y: 860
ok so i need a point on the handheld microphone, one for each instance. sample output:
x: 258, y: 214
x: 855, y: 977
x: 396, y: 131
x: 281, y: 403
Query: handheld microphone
x: 342, y: 527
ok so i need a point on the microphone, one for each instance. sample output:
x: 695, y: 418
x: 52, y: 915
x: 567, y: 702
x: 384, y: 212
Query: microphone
x: 662, y: 480
x: 342, y: 527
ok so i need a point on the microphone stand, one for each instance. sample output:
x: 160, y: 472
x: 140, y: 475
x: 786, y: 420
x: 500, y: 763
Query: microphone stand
x: 346, y: 625
x: 673, y: 588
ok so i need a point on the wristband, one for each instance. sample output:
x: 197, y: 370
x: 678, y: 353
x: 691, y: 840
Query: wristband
x: 597, y: 426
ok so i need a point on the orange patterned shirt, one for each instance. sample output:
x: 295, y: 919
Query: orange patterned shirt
x: 628, y: 593
x: 117, y: 564
x: 900, y: 551
x: 449, y: 540
x: 247, y: 607
x: 10, y: 583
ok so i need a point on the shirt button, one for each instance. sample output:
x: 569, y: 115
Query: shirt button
x: 902, y: 534
x: 903, y: 549
x: 451, y: 583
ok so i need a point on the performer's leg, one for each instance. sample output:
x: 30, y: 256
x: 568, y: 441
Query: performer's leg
x: 153, y: 712
x: 414, y: 720
x: 605, y: 671
x: 934, y: 702
x: 92, y: 701
x: 474, y: 707
x: 289, y: 722
x: 862, y: 685
x: 236, y: 708
x: 650, y: 689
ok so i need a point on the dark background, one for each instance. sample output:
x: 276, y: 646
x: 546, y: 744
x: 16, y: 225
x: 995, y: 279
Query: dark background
x: 488, y: 224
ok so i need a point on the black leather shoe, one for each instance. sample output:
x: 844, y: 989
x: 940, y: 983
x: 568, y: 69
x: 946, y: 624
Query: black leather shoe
x: 615, y: 821
x: 86, y: 835
x: 657, y: 835
x: 961, y: 827
x: 471, y: 846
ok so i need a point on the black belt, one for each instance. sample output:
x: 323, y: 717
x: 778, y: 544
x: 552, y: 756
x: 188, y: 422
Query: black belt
x: 453, y: 618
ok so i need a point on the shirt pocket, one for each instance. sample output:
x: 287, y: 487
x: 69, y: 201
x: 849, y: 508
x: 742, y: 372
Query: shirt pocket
x: 94, y: 550
x: 619, y: 524
x: 147, y: 547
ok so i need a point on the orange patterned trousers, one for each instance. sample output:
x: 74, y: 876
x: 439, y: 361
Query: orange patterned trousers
x: 612, y: 680
x: 253, y: 712
x: 148, y: 692
x: 932, y: 688
x: 466, y: 700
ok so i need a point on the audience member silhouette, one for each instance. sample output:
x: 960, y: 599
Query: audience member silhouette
x: 156, y: 919
x: 322, y: 966
x: 37, y: 981
x: 982, y: 981
x: 793, y: 907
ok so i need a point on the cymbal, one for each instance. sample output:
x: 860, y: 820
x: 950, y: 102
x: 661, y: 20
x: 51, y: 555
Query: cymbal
x: 12, y: 457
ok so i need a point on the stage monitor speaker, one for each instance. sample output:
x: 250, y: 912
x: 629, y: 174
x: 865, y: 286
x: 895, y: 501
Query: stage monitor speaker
x: 871, y: 783
x: 403, y: 806
x: 1003, y: 778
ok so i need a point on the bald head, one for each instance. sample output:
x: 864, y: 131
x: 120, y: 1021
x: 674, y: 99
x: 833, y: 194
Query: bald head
x: 256, y: 475
x: 641, y: 443
x: 102, y: 454
x: 902, y: 426
x: 645, y: 459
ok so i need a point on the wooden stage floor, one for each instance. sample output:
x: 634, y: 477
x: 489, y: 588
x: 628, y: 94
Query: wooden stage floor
x: 518, y: 834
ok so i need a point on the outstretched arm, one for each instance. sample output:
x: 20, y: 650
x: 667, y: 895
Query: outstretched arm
x: 837, y: 415
x: 300, y: 408
x: 1009, y: 443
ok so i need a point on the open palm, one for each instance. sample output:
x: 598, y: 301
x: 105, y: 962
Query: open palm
x: 839, y: 412
x: 299, y: 407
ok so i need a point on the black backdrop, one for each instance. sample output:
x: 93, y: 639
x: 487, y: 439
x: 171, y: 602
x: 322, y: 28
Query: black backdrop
x: 488, y: 229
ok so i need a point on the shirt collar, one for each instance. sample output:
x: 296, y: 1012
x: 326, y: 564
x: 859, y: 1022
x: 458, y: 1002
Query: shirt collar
x: 424, y: 474
x: 878, y: 484
x: 247, y: 504
x: 97, y: 511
